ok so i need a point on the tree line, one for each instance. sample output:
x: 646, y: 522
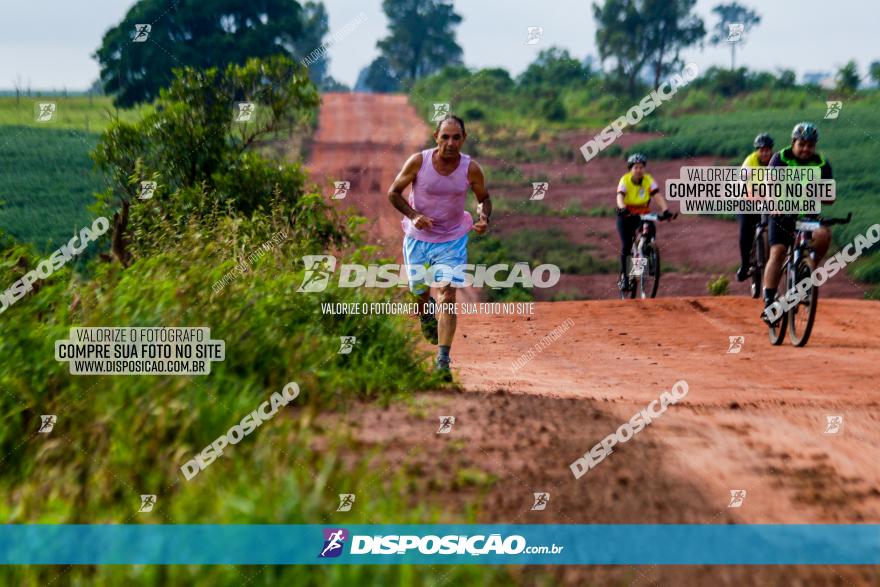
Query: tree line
x: 637, y: 41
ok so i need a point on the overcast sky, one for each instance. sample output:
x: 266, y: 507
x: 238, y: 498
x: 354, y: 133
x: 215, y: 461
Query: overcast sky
x: 50, y: 42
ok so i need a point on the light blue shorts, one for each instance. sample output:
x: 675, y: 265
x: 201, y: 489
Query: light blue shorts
x: 445, y: 260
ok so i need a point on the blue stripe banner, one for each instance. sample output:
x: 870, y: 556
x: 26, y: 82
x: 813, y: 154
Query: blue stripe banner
x: 590, y: 544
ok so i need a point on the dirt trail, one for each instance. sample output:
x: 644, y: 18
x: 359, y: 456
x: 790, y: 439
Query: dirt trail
x: 752, y: 420
x: 365, y: 139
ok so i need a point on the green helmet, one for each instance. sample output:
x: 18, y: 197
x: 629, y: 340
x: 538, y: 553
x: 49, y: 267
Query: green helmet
x: 805, y: 131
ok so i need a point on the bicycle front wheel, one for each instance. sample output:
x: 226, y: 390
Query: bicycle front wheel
x: 651, y: 275
x: 635, y: 280
x: 802, y: 316
x: 758, y: 260
x: 777, y: 331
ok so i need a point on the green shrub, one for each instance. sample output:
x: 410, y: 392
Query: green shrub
x: 719, y: 286
x: 566, y: 296
x: 552, y: 109
x: 201, y: 158
x: 601, y: 212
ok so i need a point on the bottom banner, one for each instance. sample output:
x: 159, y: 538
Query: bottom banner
x: 629, y: 544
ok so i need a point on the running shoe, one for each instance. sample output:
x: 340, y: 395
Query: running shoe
x: 442, y: 369
x: 429, y: 325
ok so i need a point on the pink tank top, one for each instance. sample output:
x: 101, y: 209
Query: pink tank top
x: 442, y: 199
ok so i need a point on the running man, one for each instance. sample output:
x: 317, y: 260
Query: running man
x: 634, y: 192
x: 781, y: 227
x: 436, y: 226
x: 760, y: 157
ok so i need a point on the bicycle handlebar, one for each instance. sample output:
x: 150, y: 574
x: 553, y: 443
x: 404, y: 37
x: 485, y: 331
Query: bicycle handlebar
x: 809, y: 225
x: 654, y: 217
x: 833, y: 221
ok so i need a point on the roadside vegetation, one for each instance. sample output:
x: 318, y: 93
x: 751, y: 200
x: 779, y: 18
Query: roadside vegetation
x: 117, y: 437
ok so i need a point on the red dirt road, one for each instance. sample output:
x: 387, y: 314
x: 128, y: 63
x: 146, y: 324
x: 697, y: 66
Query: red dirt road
x: 754, y: 420
x: 366, y: 145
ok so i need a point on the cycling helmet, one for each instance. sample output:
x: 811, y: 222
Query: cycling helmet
x: 805, y: 131
x: 763, y: 140
x: 636, y: 158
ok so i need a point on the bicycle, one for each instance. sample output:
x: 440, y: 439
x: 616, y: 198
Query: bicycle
x: 800, y: 260
x: 645, y: 272
x: 758, y: 258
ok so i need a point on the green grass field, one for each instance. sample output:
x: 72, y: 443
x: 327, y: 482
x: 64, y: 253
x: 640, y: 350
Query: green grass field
x: 47, y: 180
x: 75, y: 112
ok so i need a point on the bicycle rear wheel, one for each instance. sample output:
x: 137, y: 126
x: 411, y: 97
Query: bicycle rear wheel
x: 803, y: 315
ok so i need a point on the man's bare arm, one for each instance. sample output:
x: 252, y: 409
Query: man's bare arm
x: 406, y: 176
x: 484, y: 205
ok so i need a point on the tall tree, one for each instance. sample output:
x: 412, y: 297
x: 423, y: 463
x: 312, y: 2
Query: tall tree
x: 670, y: 27
x: 729, y: 14
x: 202, y: 34
x: 421, y: 38
x: 379, y: 77
x: 617, y: 38
x: 315, y: 28
x: 874, y: 72
x: 848, y: 78
x: 635, y: 33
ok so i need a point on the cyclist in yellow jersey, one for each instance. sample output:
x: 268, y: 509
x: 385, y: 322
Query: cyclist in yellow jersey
x: 760, y: 157
x: 634, y: 192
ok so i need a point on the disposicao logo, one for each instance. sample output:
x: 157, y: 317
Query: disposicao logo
x: 334, y: 540
x: 320, y: 268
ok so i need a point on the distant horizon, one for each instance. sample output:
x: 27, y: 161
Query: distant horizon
x: 865, y: 83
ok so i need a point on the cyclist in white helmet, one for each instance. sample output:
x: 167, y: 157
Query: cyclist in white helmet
x: 634, y: 193
x: 781, y: 227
